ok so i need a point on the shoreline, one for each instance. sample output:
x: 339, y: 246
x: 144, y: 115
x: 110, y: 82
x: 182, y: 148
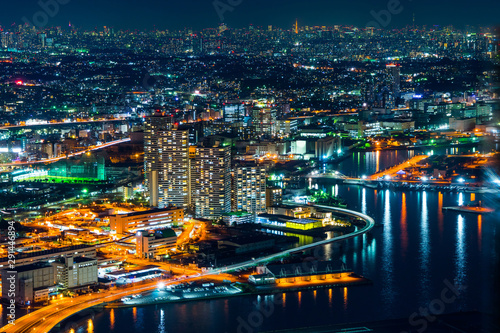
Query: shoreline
x: 256, y: 291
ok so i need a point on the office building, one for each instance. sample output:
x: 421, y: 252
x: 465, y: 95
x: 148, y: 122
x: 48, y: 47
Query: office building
x: 394, y: 82
x: 29, y: 283
x: 264, y: 121
x: 233, y: 112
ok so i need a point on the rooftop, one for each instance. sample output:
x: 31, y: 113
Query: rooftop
x: 139, y: 269
x: 306, y: 268
x: 240, y: 213
x: 304, y: 221
x: 31, y: 267
x: 151, y: 211
x: 47, y: 252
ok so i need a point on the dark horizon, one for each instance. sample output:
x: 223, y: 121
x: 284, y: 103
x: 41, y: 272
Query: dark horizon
x: 199, y: 15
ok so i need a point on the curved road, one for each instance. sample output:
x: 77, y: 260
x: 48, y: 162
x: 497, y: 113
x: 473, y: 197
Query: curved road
x: 44, y: 319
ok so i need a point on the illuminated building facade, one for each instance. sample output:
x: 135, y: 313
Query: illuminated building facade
x: 72, y: 272
x: 149, y: 245
x: 166, y: 163
x: 211, y: 181
x: 150, y: 219
x: 249, y: 189
x: 304, y: 224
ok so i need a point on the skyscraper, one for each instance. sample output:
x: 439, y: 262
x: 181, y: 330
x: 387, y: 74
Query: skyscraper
x: 234, y: 112
x: 393, y: 75
x: 211, y: 181
x: 249, y: 189
x: 165, y: 163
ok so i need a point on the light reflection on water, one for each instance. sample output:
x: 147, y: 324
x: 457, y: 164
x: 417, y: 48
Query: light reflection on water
x: 460, y: 256
x: 424, y: 250
x: 388, y: 292
x: 404, y: 228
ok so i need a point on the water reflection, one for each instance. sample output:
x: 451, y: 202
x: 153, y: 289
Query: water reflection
x: 479, y: 231
x: 460, y: 254
x: 363, y: 200
x: 112, y: 319
x: 387, y: 260
x: 161, y: 325
x: 302, y: 239
x: 345, y: 298
x: 404, y: 229
x: 90, y: 327
x: 425, y: 249
x: 440, y: 213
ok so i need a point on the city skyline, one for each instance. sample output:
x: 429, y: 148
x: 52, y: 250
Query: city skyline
x: 150, y: 15
x: 249, y: 166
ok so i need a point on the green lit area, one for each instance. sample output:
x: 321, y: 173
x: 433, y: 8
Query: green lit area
x: 60, y: 180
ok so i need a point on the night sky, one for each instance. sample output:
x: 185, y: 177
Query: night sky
x: 199, y: 14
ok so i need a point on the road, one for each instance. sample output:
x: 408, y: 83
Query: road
x: 62, y: 123
x: 52, y: 160
x: 45, y: 319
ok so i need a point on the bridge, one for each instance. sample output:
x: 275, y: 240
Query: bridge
x: 52, y: 160
x: 62, y: 123
x: 390, y: 172
x: 46, y: 318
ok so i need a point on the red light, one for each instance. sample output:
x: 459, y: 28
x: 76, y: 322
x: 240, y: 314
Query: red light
x: 19, y: 82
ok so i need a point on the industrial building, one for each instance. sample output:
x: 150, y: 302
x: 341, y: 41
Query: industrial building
x: 33, y: 283
x: 247, y: 244
x: 88, y: 251
x: 29, y: 284
x: 73, y: 272
x: 316, y: 271
x: 149, y: 245
x: 238, y: 218
x: 149, y: 219
x: 304, y: 224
